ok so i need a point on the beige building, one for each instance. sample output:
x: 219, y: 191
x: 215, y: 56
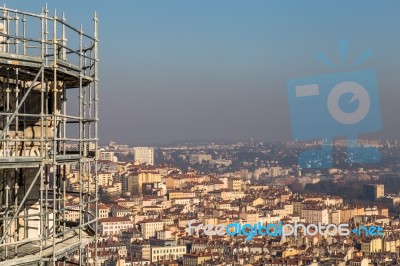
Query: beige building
x: 250, y: 217
x: 289, y: 252
x: 174, y: 182
x: 222, y: 205
x: 167, y: 253
x: 315, y: 215
x: 232, y: 195
x: 347, y: 213
x: 141, y: 249
x: 119, y: 211
x: 149, y: 228
x: 103, y: 210
x: 114, y: 189
x: 373, y: 245
x: 71, y: 212
x: 235, y: 184
x: 333, y: 201
x: 177, y: 194
x: 195, y: 259
x: 335, y: 217
x: 123, y: 167
x: 373, y: 192
x: 288, y: 208
x: 280, y: 212
x: 136, y: 180
x: 358, y: 261
x: 391, y: 244
x: 105, y: 178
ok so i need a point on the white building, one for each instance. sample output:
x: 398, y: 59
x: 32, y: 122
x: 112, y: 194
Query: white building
x: 167, y: 253
x: 199, y: 158
x: 114, y: 225
x: 149, y: 228
x: 144, y: 155
x: 107, y: 156
x: 315, y: 214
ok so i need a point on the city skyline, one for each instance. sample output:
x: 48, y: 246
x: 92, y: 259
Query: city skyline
x: 235, y: 83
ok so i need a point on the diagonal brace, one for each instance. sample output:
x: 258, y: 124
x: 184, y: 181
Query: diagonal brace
x: 5, y: 231
x: 20, y: 104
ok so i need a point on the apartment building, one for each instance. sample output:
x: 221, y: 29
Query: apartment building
x: 159, y: 253
x: 315, y: 215
x: 149, y: 228
x: 114, y: 225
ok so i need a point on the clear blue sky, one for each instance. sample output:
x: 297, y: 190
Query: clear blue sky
x: 173, y: 70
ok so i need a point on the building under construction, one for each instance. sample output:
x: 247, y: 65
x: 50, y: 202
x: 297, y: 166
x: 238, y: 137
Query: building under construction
x: 44, y: 61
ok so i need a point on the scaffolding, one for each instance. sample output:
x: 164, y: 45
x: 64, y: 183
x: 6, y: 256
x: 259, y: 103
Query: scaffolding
x: 44, y: 139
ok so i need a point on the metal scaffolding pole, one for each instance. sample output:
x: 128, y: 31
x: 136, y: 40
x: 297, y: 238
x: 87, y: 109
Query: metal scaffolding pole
x: 48, y: 158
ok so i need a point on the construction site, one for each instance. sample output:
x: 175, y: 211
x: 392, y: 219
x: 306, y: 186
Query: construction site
x: 48, y: 125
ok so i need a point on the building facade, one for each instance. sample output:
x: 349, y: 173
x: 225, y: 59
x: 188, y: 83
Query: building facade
x: 144, y: 155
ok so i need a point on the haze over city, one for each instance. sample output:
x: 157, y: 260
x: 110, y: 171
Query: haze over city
x: 179, y: 70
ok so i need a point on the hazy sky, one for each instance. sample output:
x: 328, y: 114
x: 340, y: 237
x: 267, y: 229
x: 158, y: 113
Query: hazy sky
x: 181, y: 70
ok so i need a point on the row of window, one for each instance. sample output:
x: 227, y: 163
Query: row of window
x: 116, y: 227
x: 170, y: 250
x: 157, y: 258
